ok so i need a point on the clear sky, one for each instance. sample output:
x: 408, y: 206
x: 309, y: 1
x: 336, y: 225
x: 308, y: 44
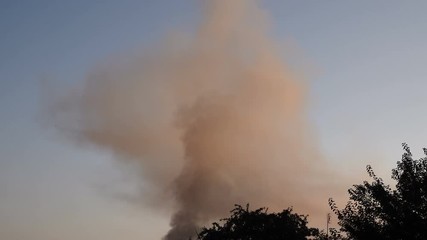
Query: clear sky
x: 367, y: 96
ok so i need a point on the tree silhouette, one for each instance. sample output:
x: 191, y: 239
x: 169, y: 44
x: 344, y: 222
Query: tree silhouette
x: 376, y: 211
x: 333, y: 234
x: 244, y: 224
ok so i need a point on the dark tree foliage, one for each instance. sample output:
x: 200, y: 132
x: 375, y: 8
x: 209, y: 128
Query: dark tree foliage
x: 333, y: 234
x: 376, y: 211
x: 259, y: 225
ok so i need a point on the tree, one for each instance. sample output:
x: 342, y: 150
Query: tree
x: 244, y: 224
x: 333, y: 234
x: 376, y: 211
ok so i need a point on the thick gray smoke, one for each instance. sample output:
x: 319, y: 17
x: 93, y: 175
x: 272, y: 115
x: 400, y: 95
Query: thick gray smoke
x: 212, y: 121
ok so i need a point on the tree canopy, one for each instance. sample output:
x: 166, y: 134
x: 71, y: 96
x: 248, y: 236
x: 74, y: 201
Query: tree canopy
x: 244, y: 224
x: 377, y: 211
x: 374, y: 211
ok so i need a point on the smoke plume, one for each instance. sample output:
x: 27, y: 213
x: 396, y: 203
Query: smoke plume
x: 211, y: 120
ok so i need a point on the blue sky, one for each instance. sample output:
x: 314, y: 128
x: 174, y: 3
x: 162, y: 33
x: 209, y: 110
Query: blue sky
x: 366, y: 97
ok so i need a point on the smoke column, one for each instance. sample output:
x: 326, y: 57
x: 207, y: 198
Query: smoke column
x: 211, y: 120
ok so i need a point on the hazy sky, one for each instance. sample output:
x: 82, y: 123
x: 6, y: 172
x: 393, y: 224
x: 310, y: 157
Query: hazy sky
x: 367, y: 95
